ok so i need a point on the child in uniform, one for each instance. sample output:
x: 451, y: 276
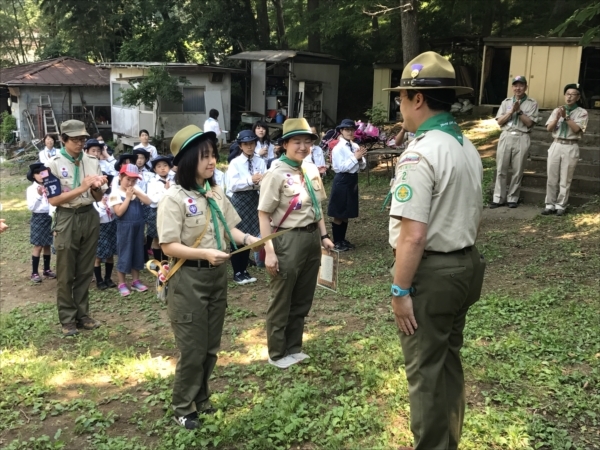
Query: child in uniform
x: 264, y: 147
x: 127, y: 202
x: 157, y: 187
x: 145, y: 145
x: 41, y: 222
x: 107, y: 241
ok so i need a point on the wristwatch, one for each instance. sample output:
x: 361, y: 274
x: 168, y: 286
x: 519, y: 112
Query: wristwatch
x: 520, y: 113
x: 325, y: 236
x: 397, y: 291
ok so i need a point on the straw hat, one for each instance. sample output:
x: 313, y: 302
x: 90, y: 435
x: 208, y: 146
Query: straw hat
x: 296, y: 127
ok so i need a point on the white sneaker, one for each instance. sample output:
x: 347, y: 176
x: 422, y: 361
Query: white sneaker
x: 299, y: 356
x: 284, y: 363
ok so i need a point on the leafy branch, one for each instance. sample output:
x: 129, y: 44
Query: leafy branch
x: 579, y: 17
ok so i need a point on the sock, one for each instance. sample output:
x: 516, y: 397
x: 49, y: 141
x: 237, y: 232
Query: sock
x: 46, y: 262
x: 98, y: 274
x: 344, y: 227
x: 336, y: 231
x: 158, y: 254
x: 35, y: 264
x: 109, y: 269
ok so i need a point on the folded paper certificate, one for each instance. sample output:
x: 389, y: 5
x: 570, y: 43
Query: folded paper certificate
x: 261, y: 242
x: 328, y: 272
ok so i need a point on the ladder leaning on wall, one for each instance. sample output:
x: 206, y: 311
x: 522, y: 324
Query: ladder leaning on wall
x: 48, y: 117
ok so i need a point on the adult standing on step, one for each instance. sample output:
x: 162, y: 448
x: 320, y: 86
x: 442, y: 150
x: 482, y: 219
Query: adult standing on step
x: 567, y: 124
x: 516, y: 117
x: 77, y: 226
x: 434, y: 217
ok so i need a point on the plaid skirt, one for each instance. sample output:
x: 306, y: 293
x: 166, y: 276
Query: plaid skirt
x: 246, y: 205
x: 40, y: 229
x: 107, y: 240
x: 150, y: 218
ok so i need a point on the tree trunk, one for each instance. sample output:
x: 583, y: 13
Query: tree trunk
x: 375, y: 34
x: 281, y: 39
x: 410, y: 30
x: 253, y: 27
x: 314, y: 35
x: 19, y: 36
x: 262, y: 21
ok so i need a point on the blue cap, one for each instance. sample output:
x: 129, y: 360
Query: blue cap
x: 246, y: 136
x: 347, y: 123
x: 92, y: 143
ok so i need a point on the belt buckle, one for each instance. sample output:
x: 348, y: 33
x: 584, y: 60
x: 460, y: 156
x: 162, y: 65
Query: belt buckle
x: 514, y: 133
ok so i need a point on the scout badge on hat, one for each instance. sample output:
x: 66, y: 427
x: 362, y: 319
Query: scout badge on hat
x: 519, y: 79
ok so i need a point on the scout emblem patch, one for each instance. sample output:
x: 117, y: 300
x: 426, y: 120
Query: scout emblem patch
x: 403, y: 193
x: 191, y: 204
x: 416, y: 68
x: 64, y: 172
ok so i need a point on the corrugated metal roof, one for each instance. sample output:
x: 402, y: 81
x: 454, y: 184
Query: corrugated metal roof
x: 281, y: 55
x: 63, y: 71
x: 188, y: 66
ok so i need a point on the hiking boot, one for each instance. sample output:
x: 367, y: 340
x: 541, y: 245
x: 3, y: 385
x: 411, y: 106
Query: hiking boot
x: 110, y: 283
x: 249, y: 278
x: 35, y: 278
x: 189, y: 421
x: 548, y: 211
x: 48, y: 274
x: 87, y: 323
x: 284, y: 362
x: 137, y: 285
x: 101, y: 285
x: 69, y: 329
x: 495, y: 205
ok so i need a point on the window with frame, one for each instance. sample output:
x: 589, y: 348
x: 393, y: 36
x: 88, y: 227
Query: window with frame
x: 193, y: 102
x: 117, y: 91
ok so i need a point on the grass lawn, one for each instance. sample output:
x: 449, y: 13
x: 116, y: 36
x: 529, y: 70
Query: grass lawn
x: 531, y: 354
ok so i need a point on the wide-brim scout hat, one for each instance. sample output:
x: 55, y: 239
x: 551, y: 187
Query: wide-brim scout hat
x: 519, y: 79
x: 246, y: 136
x: 130, y: 170
x: 130, y: 156
x: 297, y: 127
x: 429, y: 70
x: 162, y: 158
x: 575, y: 86
x: 34, y: 168
x: 73, y: 128
x: 141, y: 151
x: 92, y: 143
x: 184, y: 138
x: 347, y: 123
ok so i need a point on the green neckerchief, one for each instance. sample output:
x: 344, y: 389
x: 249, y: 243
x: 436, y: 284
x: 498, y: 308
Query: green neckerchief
x: 515, y: 119
x: 444, y: 122
x: 564, y: 126
x: 309, y: 187
x: 216, y: 215
x: 76, y: 181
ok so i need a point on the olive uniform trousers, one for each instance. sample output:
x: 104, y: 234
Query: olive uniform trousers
x: 562, y: 161
x: 196, y: 304
x: 446, y: 285
x: 292, y: 290
x: 76, y: 242
x: 512, y: 152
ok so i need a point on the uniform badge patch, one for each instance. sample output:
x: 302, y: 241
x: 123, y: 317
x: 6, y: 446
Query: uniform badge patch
x: 410, y: 159
x: 64, y: 172
x: 403, y: 193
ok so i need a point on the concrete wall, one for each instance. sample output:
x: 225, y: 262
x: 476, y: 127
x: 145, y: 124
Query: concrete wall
x: 326, y: 73
x: 126, y: 120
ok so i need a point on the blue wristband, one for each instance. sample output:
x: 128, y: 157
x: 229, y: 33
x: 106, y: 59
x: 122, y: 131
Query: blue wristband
x: 397, y: 291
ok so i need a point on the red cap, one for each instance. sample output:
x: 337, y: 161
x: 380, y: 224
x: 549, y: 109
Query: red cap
x: 131, y: 170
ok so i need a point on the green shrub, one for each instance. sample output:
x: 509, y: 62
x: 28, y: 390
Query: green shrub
x: 8, y: 125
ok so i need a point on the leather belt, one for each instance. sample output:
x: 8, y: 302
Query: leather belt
x: 308, y: 228
x: 198, y: 263
x: 79, y: 210
x: 565, y: 141
x: 462, y: 251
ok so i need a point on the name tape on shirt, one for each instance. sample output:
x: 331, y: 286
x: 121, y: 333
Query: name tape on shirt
x: 52, y: 184
x: 410, y: 159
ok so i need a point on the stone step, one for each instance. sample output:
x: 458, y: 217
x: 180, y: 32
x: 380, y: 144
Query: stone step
x: 540, y: 134
x: 539, y: 164
x: 580, y: 183
x: 587, y: 153
x: 537, y: 196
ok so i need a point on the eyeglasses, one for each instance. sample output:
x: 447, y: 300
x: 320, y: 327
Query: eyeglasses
x: 571, y: 95
x: 80, y: 140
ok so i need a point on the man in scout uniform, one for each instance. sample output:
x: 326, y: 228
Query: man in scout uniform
x: 435, y: 213
x: 79, y: 183
x: 567, y: 125
x: 516, y: 117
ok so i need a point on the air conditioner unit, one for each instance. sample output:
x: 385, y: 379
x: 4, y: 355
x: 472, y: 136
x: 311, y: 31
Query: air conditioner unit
x: 216, y: 77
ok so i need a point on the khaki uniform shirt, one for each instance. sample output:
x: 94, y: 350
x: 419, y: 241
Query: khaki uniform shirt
x: 63, y: 169
x: 529, y: 108
x: 182, y: 214
x: 279, y: 186
x: 438, y: 182
x: 578, y: 115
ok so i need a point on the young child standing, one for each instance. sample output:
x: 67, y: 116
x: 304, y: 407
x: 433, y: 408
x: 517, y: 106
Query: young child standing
x: 127, y: 202
x: 107, y: 241
x: 347, y: 159
x: 157, y: 188
x: 264, y: 147
x: 41, y: 222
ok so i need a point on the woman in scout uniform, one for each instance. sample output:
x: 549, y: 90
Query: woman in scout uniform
x: 197, y: 294
x: 567, y: 125
x: 347, y: 158
x: 291, y: 193
x: 435, y: 213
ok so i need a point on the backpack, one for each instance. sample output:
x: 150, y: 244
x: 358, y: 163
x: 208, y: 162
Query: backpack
x: 329, y: 140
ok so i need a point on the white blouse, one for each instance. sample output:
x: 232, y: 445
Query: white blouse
x: 37, y: 203
x: 238, y: 176
x: 343, y: 159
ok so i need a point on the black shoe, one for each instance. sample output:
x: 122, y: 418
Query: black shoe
x: 110, y: 283
x: 340, y: 247
x: 239, y: 278
x: 189, y: 421
x: 547, y: 212
x: 348, y: 244
x: 561, y: 212
x: 101, y: 285
x: 249, y: 278
x: 512, y: 204
x: 494, y: 205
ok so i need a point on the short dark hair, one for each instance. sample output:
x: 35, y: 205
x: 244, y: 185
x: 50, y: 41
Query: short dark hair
x: 96, y: 136
x: 264, y: 125
x: 143, y: 131
x: 188, y: 164
x: 52, y: 136
x: 213, y: 113
x: 436, y: 99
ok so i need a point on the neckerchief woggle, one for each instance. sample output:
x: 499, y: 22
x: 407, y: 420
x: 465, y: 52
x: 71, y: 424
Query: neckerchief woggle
x: 76, y: 162
x: 216, y: 215
x: 443, y: 122
x: 309, y: 187
x: 564, y: 126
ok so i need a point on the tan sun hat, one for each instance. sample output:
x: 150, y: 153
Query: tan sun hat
x: 184, y: 137
x: 295, y: 127
x: 73, y: 128
x: 430, y: 70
